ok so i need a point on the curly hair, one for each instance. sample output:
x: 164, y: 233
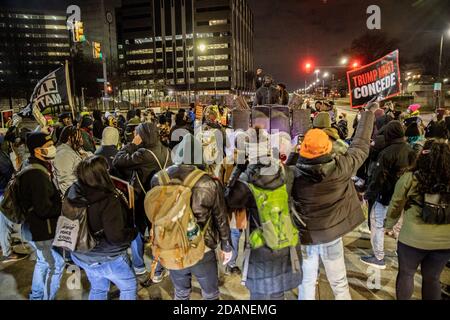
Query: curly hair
x: 433, y: 166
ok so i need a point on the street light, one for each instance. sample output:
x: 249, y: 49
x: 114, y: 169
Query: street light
x: 202, y: 47
x: 344, y: 61
x: 446, y: 80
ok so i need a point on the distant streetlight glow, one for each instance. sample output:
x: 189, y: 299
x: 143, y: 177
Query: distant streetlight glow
x: 326, y: 75
x: 202, y: 47
x: 409, y: 73
x: 446, y: 80
x: 317, y: 71
x: 344, y: 61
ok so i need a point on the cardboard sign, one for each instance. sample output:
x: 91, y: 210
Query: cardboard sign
x: 125, y: 190
x: 379, y: 79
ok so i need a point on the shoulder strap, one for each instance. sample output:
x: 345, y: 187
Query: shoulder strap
x: 163, y: 178
x: 193, y: 178
x: 34, y: 166
x: 156, y: 158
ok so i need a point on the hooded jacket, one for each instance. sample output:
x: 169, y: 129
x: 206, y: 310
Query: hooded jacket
x: 324, y: 194
x: 267, y: 95
x: 137, y: 165
x: 138, y: 159
x: 392, y: 162
x: 108, y: 216
x: 41, y: 198
x: 269, y: 271
x: 65, y: 162
x: 206, y: 201
x: 6, y: 170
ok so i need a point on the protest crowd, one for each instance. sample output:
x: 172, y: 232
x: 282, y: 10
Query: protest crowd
x: 97, y: 189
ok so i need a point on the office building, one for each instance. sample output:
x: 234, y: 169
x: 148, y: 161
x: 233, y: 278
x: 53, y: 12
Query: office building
x: 196, y: 46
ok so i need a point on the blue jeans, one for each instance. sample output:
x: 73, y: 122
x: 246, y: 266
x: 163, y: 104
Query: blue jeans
x: 377, y: 217
x: 206, y: 273
x: 117, y: 271
x: 261, y: 297
x: 137, y: 256
x: 332, y: 256
x: 48, y: 271
x: 235, y: 237
x: 5, y: 233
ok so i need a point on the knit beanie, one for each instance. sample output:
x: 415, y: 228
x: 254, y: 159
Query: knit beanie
x: 110, y: 136
x: 393, y: 130
x: 37, y: 140
x: 315, y: 144
x: 322, y: 120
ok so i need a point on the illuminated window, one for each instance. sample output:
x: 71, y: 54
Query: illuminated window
x: 211, y: 68
x: 212, y: 57
x: 140, y: 51
x: 218, y: 22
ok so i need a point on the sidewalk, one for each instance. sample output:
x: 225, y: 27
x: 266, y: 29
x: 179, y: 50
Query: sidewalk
x: 15, y: 279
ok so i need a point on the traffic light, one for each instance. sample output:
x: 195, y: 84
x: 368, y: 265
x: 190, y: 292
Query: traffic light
x: 109, y: 88
x: 97, y: 50
x: 78, y: 32
x: 355, y: 64
x: 308, y: 66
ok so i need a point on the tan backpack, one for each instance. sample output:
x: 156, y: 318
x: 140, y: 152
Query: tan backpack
x: 177, y: 240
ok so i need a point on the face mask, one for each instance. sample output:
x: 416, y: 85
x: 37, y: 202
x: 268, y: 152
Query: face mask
x: 48, y: 153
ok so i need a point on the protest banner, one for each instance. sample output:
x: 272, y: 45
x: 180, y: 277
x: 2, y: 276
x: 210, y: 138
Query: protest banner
x: 379, y: 79
x: 51, y: 91
x: 125, y: 190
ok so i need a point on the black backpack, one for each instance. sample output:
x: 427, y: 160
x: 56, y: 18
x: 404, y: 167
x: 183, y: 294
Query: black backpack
x: 436, y: 206
x: 11, y: 206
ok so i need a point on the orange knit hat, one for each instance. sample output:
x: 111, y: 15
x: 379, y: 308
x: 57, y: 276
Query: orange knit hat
x: 315, y: 144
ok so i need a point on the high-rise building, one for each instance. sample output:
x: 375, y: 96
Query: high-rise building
x: 199, y: 46
x: 32, y: 44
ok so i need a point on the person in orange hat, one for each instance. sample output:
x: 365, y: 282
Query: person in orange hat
x: 326, y: 204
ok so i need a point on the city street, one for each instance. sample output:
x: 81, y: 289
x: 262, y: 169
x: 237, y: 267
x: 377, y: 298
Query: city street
x: 15, y: 279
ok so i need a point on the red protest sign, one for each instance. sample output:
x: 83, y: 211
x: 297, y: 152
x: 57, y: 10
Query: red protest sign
x: 379, y: 79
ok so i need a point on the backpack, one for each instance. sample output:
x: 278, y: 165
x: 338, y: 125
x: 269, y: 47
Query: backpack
x: 277, y: 230
x: 11, y: 206
x: 177, y: 240
x: 436, y: 208
x: 72, y: 230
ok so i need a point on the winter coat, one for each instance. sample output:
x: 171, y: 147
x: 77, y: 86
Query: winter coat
x: 392, y: 162
x: 41, y: 200
x: 266, y: 95
x: 269, y: 271
x: 65, y: 163
x: 137, y: 165
x: 6, y: 171
x: 324, y: 194
x: 284, y: 97
x: 109, y: 219
x: 88, y: 141
x: 207, y: 202
x: 97, y: 131
x: 108, y: 152
x: 415, y: 233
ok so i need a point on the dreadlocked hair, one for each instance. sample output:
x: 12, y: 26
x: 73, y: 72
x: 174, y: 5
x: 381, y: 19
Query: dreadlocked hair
x: 433, y: 166
x: 71, y: 135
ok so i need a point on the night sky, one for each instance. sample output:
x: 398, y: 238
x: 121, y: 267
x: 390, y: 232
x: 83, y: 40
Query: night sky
x: 287, y: 31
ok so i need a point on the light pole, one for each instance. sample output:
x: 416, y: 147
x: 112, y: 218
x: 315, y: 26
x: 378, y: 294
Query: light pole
x: 440, y: 66
x: 325, y: 75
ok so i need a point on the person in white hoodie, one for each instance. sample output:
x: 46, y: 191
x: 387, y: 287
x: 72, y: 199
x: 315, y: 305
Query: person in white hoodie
x: 69, y: 153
